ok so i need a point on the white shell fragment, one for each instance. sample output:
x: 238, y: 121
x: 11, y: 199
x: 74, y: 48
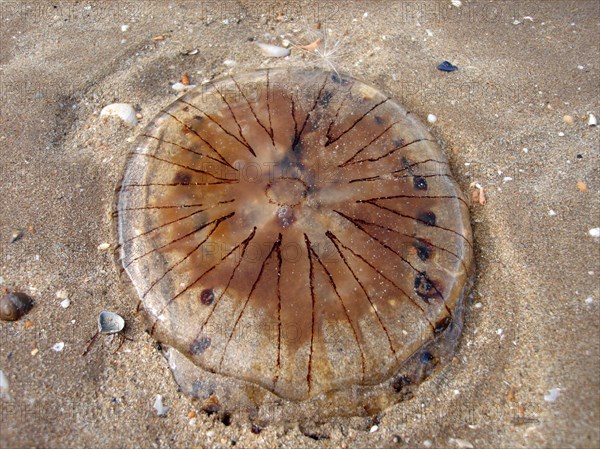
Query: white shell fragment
x: 110, y: 323
x: 161, y: 410
x: 103, y: 246
x: 65, y: 303
x: 4, y: 394
x: 552, y: 395
x: 273, y: 51
x: 592, y: 121
x: 594, y: 232
x: 460, y: 443
x: 59, y: 346
x: 180, y: 87
x: 456, y: 3
x: 431, y: 118
x: 122, y: 110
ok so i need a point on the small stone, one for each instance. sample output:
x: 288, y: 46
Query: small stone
x: 34, y: 352
x: 551, y: 213
x: 568, y: 119
x: 581, y: 186
x: 461, y: 444
x: 58, y: 346
x: 427, y: 443
x: 62, y: 294
x: 561, y: 134
x: 15, y: 235
x: 104, y: 246
x: 124, y: 28
x: 375, y: 428
x: 592, y: 121
x: 594, y: 232
x: 552, y: 395
x: 456, y: 3
x: 431, y: 118
x: 589, y: 300
x: 4, y: 387
x: 28, y: 324
x: 65, y: 303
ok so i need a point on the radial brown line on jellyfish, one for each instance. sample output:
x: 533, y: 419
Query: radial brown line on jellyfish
x: 197, y: 134
x: 187, y: 167
x: 385, y: 228
x: 331, y: 236
x: 312, y: 326
x: 389, y: 153
x: 276, y: 244
x: 348, y: 162
x: 229, y: 133
x: 330, y: 141
x: 432, y: 197
x: 245, y: 141
x: 298, y: 135
x: 392, y: 173
x: 178, y: 239
x: 161, y: 140
x: 334, y: 120
x: 179, y: 184
x: 166, y: 224
x: 417, y: 219
x: 244, y: 243
x: 269, y: 133
x: 416, y: 304
x: 279, y: 263
x: 343, y: 306
x: 187, y: 256
x: 269, y: 108
x: 170, y: 206
x: 389, y: 248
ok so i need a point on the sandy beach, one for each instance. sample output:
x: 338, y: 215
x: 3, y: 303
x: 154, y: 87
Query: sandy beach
x: 516, y: 118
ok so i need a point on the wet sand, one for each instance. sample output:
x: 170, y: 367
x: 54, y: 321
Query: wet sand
x: 532, y: 325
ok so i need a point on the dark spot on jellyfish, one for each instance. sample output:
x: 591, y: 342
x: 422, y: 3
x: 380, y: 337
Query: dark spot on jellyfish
x: 400, y: 383
x: 442, y: 324
x: 198, y: 118
x: 420, y: 183
x: 427, y: 217
x: 182, y: 178
x: 379, y: 121
x: 336, y: 78
x: 200, y: 345
x: 398, y: 143
x: 285, y: 216
x: 325, y: 99
x: 424, y: 287
x: 426, y: 357
x: 207, y: 296
x: 423, y: 249
x: 297, y: 146
x: 185, y: 108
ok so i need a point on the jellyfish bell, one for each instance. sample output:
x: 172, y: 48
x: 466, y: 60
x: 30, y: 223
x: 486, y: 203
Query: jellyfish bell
x: 303, y: 251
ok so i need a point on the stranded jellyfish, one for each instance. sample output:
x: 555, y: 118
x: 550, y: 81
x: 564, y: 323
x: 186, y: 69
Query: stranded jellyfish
x: 297, y: 239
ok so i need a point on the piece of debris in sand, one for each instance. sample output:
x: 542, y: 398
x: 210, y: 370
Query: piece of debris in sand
x: 312, y: 46
x: 592, y: 121
x: 552, y: 395
x: 595, y: 232
x: 581, y: 186
x: 273, y: 51
x: 4, y: 394
x: 124, y: 111
x: 447, y: 66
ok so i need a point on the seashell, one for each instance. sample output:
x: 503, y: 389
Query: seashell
x: 273, y: 51
x: 14, y: 305
x: 122, y: 110
x: 110, y: 323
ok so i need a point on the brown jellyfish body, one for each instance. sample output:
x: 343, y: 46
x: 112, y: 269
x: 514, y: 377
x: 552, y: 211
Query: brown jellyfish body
x: 297, y: 239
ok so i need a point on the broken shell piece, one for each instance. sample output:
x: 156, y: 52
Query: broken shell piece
x: 161, y: 410
x: 15, y: 235
x: 110, y: 323
x: 273, y: 51
x: 592, y: 121
x: 180, y: 87
x: 122, y: 110
x: 14, y: 305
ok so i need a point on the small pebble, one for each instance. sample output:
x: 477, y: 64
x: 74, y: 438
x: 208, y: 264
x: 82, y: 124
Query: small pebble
x: 461, y: 444
x: 447, y: 67
x: 507, y: 179
x: 561, y: 134
x: 374, y: 428
x: 525, y: 150
x: 594, y: 232
x: 4, y: 387
x: 427, y: 443
x: 589, y: 300
x: 568, y: 119
x: 229, y: 62
x: 581, y: 186
x: 65, y: 303
x: 431, y: 118
x: 592, y: 120
x: 456, y: 3
x: 103, y: 246
x: 273, y: 51
x: 34, y: 352
x: 124, y: 28
x: 58, y: 346
x: 552, y: 395
x: 62, y: 294
x: 161, y: 410
x: 551, y: 213
x: 179, y: 87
